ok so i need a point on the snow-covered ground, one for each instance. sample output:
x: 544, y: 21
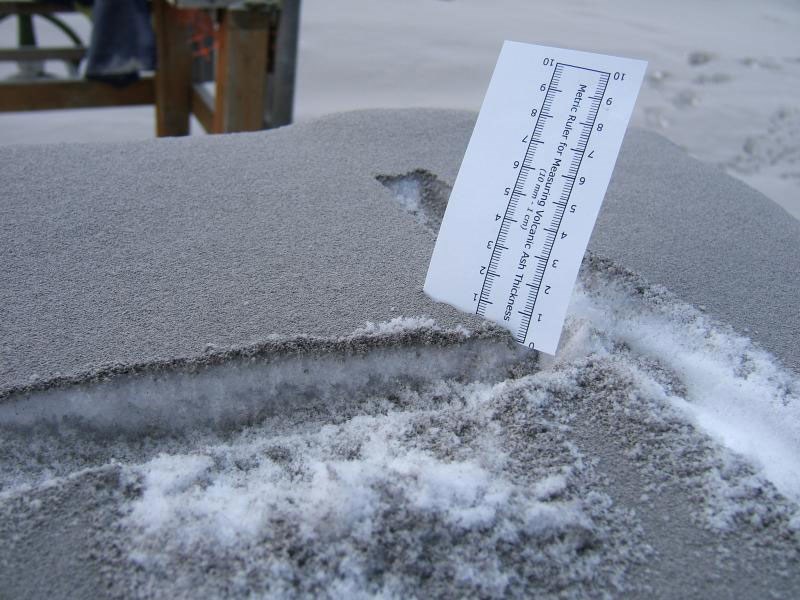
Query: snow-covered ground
x: 722, y: 81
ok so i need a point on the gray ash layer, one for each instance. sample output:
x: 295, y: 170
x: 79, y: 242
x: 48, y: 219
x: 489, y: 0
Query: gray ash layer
x: 194, y: 406
x: 127, y: 254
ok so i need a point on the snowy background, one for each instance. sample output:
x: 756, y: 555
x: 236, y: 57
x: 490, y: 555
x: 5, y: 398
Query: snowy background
x: 722, y: 81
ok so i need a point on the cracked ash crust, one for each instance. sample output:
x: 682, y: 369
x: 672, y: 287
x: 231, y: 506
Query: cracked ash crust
x: 356, y: 344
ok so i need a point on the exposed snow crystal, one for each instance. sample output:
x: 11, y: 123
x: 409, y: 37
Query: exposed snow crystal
x: 407, y: 191
x: 246, y: 389
x: 396, y: 325
x: 733, y: 390
x: 444, y: 497
x: 421, y: 194
x: 324, y: 489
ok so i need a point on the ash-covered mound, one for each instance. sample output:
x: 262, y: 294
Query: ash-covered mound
x: 191, y: 403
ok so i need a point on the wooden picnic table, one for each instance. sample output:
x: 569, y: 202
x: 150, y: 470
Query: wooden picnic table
x: 254, y: 68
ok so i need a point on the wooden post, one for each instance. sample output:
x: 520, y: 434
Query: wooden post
x: 281, y: 105
x: 173, y: 79
x: 241, y: 71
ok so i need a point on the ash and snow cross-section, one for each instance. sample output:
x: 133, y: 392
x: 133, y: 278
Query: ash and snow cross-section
x: 530, y: 187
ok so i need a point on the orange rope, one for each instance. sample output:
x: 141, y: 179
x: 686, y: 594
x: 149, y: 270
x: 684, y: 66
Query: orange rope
x: 204, y: 36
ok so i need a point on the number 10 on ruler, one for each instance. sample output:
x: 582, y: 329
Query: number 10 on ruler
x: 530, y: 187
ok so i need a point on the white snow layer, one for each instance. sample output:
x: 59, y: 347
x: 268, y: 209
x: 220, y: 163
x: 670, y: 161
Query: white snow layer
x: 734, y: 391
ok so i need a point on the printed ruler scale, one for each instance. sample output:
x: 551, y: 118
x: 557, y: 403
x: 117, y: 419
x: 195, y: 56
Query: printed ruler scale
x: 530, y: 187
x: 522, y: 185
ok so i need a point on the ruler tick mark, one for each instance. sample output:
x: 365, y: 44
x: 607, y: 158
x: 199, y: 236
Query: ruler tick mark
x: 533, y: 215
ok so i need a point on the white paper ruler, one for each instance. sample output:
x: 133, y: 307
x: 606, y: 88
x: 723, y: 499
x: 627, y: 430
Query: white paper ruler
x: 530, y: 187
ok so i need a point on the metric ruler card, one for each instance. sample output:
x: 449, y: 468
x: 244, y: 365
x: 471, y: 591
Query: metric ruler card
x: 530, y: 187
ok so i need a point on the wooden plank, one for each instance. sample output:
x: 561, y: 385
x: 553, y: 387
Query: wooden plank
x: 203, y: 107
x: 241, y: 71
x: 174, y: 71
x: 29, y: 53
x: 55, y: 94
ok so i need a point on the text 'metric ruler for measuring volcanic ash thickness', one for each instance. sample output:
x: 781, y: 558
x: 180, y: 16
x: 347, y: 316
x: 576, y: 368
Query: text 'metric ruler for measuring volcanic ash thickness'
x: 530, y: 187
